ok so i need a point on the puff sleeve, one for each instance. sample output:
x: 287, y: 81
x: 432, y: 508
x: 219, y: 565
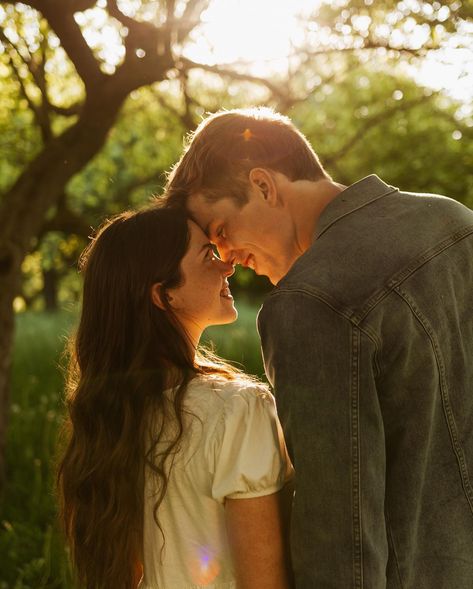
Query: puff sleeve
x: 250, y: 458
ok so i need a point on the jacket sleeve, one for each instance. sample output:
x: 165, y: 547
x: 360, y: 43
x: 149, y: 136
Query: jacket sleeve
x: 322, y: 369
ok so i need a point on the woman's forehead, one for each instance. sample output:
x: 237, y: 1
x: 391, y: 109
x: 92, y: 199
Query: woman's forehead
x: 197, y: 236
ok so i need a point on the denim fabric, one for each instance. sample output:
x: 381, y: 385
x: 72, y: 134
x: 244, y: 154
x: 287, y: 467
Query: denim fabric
x: 368, y: 343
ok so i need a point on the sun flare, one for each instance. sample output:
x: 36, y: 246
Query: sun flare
x: 260, y: 33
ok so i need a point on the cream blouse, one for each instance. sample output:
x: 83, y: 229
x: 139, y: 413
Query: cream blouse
x: 232, y: 447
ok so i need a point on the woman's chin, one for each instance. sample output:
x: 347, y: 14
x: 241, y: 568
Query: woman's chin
x: 231, y: 316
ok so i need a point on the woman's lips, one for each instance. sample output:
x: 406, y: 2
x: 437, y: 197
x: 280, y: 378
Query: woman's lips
x: 225, y: 292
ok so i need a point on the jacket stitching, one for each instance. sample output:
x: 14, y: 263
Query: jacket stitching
x: 412, y: 267
x: 450, y: 418
x: 357, y: 317
x: 345, y: 313
x: 315, y: 293
x: 355, y: 443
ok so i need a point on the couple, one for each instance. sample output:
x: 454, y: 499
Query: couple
x: 176, y: 473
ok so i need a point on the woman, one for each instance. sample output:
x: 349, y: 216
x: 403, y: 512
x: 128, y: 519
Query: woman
x: 174, y: 462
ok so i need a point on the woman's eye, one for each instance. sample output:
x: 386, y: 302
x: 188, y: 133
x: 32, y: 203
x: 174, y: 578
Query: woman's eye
x: 212, y: 252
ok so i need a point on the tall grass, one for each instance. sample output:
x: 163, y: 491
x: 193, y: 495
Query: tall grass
x: 32, y: 554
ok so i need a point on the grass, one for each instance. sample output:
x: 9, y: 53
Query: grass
x: 31, y: 551
x: 32, y: 554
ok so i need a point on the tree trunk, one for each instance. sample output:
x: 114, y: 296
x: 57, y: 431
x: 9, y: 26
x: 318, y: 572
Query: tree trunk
x: 50, y: 287
x: 9, y: 283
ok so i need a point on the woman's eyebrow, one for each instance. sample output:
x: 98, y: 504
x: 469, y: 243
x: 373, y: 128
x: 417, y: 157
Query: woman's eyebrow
x: 207, y: 245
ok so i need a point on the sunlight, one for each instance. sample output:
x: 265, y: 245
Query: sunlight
x: 103, y: 35
x: 257, y: 33
x: 259, y: 36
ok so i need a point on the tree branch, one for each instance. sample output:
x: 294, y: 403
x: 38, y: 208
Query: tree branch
x: 81, y: 5
x: 368, y: 45
x: 186, y: 118
x: 40, y: 115
x: 148, y: 50
x: 72, y: 5
x: 372, y: 122
x: 185, y: 64
x: 190, y: 18
x: 68, y: 31
x: 66, y: 221
x: 141, y: 35
x: 67, y: 111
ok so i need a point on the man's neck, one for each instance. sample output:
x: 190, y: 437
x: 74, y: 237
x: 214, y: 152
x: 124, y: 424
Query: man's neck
x: 307, y: 202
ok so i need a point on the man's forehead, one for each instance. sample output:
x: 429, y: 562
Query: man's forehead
x: 201, y: 210
x: 196, y: 203
x: 204, y: 212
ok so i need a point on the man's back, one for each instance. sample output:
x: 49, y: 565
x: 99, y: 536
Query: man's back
x: 368, y: 342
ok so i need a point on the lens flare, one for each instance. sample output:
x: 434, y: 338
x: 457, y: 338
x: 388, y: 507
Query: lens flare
x: 204, y: 567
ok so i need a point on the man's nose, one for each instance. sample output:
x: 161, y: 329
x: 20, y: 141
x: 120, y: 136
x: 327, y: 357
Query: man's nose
x: 225, y: 253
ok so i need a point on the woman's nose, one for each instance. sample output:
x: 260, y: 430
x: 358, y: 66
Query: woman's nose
x: 227, y: 268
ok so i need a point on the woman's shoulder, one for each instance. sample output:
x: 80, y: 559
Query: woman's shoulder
x: 223, y: 391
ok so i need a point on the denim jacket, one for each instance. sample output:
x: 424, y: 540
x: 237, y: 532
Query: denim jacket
x: 368, y: 344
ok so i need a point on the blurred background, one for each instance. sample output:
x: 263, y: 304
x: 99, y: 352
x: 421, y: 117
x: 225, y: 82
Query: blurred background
x: 95, y: 100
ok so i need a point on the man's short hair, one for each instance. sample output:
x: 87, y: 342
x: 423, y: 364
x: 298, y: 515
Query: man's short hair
x: 226, y: 145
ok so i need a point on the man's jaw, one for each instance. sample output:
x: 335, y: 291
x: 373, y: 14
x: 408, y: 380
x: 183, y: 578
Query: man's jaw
x: 250, y: 262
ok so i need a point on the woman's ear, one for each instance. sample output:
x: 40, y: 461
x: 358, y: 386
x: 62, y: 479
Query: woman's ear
x: 159, y: 296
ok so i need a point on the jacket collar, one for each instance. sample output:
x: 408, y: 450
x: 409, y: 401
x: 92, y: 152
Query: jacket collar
x: 354, y: 197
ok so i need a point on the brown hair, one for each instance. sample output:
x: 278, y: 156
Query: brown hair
x: 126, y: 352
x: 224, y: 148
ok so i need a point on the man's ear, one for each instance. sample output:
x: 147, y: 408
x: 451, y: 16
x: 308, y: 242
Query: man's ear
x: 263, y: 181
x: 159, y: 296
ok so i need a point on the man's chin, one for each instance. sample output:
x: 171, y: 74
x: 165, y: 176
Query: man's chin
x: 270, y: 276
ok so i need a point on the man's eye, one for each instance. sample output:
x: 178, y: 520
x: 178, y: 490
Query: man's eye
x: 220, y: 233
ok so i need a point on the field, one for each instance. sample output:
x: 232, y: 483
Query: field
x: 32, y: 555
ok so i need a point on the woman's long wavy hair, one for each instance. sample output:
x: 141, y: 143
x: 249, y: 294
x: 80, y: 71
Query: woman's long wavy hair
x: 125, y: 354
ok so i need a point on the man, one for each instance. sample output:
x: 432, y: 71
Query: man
x: 368, y: 342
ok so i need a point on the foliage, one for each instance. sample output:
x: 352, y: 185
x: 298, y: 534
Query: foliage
x: 374, y: 122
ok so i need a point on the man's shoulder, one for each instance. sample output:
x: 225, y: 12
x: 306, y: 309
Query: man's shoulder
x: 365, y: 245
